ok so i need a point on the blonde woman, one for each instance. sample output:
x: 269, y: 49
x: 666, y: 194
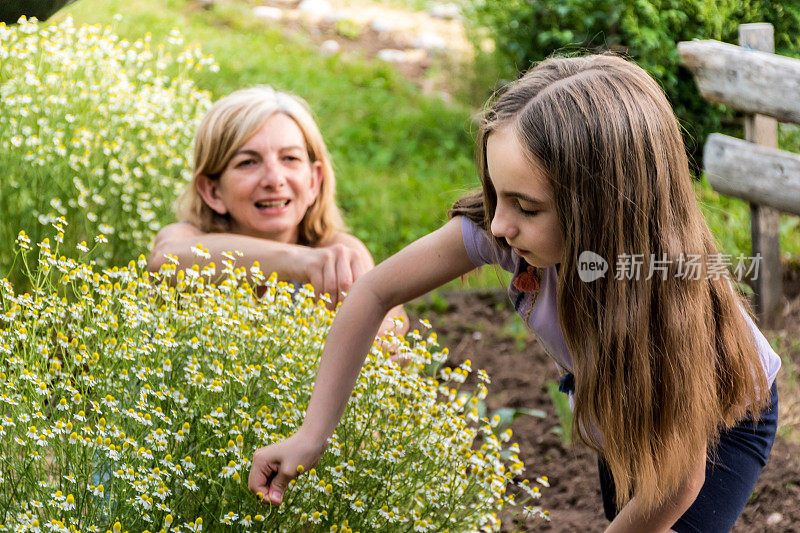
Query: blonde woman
x: 263, y: 184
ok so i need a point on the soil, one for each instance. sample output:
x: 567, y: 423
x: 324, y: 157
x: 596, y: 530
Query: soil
x: 475, y: 326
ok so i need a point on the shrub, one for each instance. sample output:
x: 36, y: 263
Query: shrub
x: 93, y: 129
x: 136, y: 401
x: 526, y: 31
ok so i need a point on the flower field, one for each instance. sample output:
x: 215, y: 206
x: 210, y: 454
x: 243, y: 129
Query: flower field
x: 94, y: 129
x: 132, y: 401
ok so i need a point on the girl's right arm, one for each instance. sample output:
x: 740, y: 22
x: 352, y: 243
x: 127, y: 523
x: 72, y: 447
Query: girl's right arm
x: 422, y: 266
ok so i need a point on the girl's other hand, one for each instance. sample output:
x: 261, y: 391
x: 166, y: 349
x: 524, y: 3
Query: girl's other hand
x: 333, y: 269
x: 276, y: 465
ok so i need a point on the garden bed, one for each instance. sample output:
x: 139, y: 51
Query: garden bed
x: 479, y: 325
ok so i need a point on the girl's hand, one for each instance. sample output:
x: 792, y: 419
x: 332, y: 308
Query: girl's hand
x: 332, y: 269
x: 275, y: 465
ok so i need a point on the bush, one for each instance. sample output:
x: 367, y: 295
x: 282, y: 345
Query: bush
x: 96, y: 130
x: 647, y: 31
x: 140, y: 399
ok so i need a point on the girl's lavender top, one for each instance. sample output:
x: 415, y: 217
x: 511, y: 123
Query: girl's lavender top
x: 537, y: 303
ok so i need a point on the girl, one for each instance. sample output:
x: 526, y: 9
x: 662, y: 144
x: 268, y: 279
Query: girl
x: 264, y: 184
x: 671, y: 382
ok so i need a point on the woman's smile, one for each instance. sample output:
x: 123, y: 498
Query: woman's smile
x: 274, y: 206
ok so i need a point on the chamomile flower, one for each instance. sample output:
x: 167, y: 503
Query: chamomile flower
x: 172, y: 387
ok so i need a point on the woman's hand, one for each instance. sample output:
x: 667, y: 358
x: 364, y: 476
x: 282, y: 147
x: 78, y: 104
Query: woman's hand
x: 275, y: 465
x: 333, y: 269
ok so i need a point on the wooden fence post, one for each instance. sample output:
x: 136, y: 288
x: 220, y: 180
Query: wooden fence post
x: 764, y: 221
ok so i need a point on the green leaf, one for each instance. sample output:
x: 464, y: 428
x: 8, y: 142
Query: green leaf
x: 509, y: 414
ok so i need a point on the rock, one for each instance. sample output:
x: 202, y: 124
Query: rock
x: 774, y: 519
x: 382, y: 25
x: 391, y: 55
x: 330, y: 47
x: 318, y: 8
x: 445, y: 11
x: 268, y: 13
x: 429, y: 41
x: 333, y: 17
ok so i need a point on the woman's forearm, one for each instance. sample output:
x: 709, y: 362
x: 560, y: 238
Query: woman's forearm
x: 632, y: 519
x: 272, y: 256
x: 420, y: 267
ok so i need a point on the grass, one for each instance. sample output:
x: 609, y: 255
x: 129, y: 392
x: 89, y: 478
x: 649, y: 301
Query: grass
x: 561, y: 404
x: 410, y: 5
x: 401, y: 158
x: 788, y: 387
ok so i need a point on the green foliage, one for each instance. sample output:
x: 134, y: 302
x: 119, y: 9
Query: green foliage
x: 401, y: 158
x: 135, y: 401
x: 94, y: 131
x: 729, y: 221
x: 347, y: 28
x: 505, y: 416
x: 561, y: 403
x: 645, y: 30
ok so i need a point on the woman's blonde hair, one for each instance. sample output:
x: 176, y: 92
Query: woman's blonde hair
x: 661, y: 364
x: 229, y: 123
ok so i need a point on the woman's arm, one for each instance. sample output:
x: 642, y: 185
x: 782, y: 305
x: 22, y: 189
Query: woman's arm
x: 415, y: 270
x: 178, y: 239
x: 633, y: 519
x: 331, y: 268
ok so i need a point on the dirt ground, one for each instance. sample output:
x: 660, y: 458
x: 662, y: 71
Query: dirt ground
x: 476, y: 326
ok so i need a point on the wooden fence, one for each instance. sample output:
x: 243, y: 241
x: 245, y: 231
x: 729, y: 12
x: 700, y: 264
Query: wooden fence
x: 751, y: 78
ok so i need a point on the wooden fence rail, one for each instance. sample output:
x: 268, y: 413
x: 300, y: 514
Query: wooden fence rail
x: 751, y: 78
x: 746, y: 79
x: 731, y: 165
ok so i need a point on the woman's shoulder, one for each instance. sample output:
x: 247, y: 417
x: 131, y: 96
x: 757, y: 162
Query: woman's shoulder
x: 345, y: 239
x: 177, y: 230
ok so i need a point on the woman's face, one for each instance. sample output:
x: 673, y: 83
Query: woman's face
x: 525, y: 215
x: 269, y: 183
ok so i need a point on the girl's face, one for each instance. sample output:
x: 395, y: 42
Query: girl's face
x: 269, y: 183
x: 525, y: 215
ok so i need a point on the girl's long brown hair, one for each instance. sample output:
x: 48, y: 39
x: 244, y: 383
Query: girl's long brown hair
x: 662, y: 364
